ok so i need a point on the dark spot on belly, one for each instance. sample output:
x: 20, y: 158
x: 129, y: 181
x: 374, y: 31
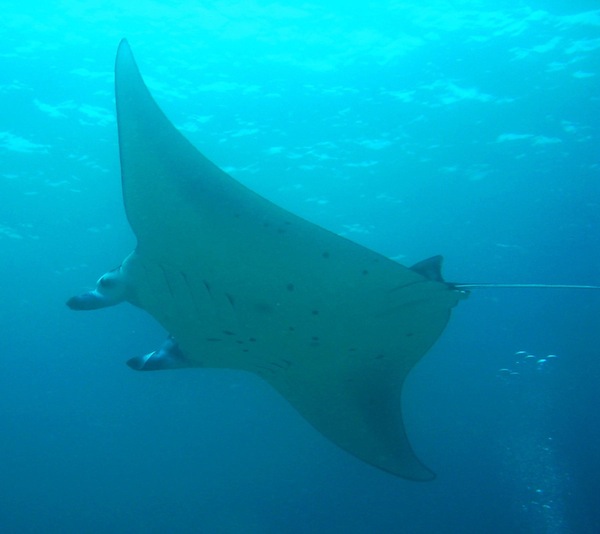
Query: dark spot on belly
x: 325, y: 255
x: 290, y: 287
x: 212, y: 339
x: 365, y: 271
x: 315, y: 312
x: 228, y: 333
x: 252, y: 339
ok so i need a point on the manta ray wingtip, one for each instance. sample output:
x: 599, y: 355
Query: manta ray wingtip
x: 124, y: 51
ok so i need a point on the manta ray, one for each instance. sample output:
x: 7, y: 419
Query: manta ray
x: 241, y: 283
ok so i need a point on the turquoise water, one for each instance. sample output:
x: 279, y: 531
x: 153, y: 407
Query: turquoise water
x: 468, y: 129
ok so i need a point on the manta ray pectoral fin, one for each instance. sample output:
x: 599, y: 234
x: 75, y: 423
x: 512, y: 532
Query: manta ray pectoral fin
x: 168, y: 356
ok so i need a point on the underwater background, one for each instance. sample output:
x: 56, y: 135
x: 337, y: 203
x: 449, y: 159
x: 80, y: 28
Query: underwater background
x: 464, y: 128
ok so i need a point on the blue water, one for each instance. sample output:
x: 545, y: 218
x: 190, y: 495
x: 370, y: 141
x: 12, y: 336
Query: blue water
x: 469, y: 129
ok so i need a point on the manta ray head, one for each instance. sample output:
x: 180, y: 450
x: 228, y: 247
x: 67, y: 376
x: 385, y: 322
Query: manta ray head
x: 111, y: 288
